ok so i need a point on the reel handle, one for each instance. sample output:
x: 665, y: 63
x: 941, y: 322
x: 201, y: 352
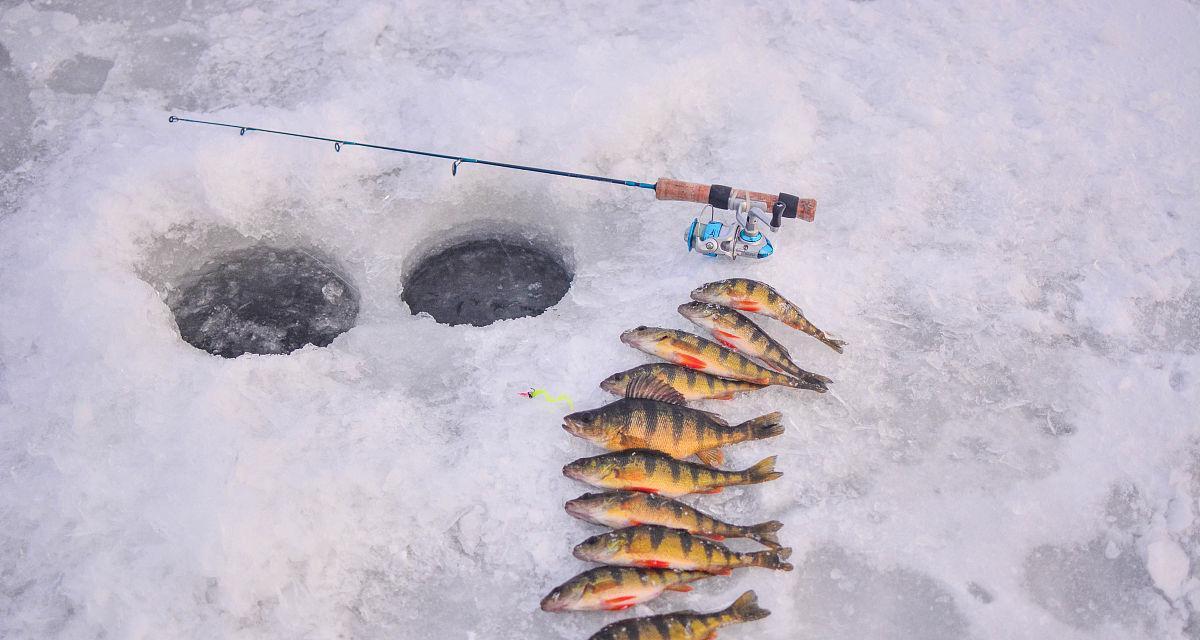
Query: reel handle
x: 718, y: 196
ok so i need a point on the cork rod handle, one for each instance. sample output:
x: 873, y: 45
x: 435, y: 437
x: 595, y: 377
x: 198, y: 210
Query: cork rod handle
x: 718, y: 196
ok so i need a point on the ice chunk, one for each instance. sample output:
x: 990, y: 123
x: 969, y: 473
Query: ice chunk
x: 1168, y: 565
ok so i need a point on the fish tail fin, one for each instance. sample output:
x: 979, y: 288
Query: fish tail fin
x: 763, y: 427
x: 746, y: 608
x: 771, y: 559
x: 801, y: 323
x: 812, y: 377
x: 765, y: 533
x: 836, y: 345
x: 812, y: 382
x: 763, y: 471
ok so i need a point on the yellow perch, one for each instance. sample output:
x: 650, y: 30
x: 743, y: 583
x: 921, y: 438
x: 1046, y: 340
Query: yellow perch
x: 651, y: 471
x: 684, y: 625
x: 678, y: 384
x: 705, y: 355
x: 745, y: 294
x: 736, y: 331
x: 619, y: 509
x: 637, y: 423
x: 657, y: 547
x: 616, y: 588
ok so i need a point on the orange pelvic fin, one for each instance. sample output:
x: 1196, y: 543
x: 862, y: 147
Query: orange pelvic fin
x: 618, y: 607
x: 711, y: 457
x: 682, y: 588
x: 653, y: 564
x: 691, y: 362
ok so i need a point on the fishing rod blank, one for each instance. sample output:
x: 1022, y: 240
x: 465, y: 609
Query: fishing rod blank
x: 719, y: 196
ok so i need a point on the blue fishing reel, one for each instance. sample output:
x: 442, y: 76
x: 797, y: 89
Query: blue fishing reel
x: 742, y: 238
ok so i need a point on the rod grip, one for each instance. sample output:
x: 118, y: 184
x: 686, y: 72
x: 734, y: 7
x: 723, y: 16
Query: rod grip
x: 668, y: 189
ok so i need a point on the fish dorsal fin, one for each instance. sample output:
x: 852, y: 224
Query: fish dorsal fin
x: 652, y: 388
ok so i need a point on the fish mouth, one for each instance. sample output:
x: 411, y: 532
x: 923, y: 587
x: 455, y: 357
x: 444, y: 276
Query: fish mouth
x: 610, y: 385
x: 576, y: 509
x: 553, y: 602
x: 694, y: 310
x: 580, y: 552
x: 573, y: 472
x: 697, y: 294
x: 575, y: 426
x: 630, y: 337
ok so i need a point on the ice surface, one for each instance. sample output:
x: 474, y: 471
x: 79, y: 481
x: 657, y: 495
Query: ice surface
x: 1087, y: 585
x: 1007, y: 236
x: 80, y: 74
x: 846, y: 597
x: 16, y: 115
x: 481, y: 281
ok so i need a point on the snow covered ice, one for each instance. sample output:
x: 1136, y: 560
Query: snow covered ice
x: 1007, y: 235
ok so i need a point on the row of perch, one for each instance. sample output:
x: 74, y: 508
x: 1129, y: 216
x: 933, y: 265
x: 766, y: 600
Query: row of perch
x: 660, y: 544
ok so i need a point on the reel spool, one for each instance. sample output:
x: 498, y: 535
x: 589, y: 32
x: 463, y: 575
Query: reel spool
x: 742, y: 237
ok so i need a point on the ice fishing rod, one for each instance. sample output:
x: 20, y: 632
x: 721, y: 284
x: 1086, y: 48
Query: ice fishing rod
x: 741, y: 239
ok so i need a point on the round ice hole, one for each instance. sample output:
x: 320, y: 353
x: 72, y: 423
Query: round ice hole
x: 481, y: 281
x: 263, y: 300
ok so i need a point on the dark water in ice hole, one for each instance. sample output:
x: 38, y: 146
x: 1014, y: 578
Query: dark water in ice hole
x: 263, y: 300
x: 481, y: 281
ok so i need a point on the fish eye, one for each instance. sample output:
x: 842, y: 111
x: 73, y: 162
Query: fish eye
x: 641, y: 328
